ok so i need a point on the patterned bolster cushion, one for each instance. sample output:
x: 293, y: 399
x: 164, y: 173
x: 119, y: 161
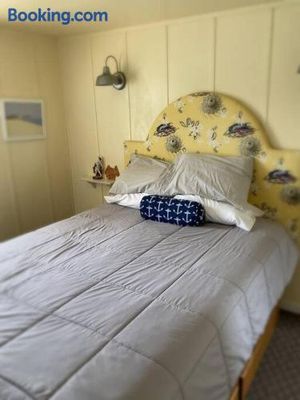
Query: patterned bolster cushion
x: 174, y: 211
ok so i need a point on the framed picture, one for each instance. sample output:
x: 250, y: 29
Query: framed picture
x: 22, y: 119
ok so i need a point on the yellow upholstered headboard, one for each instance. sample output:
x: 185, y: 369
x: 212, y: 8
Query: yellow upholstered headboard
x: 214, y: 123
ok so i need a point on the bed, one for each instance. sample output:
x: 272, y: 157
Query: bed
x: 107, y: 305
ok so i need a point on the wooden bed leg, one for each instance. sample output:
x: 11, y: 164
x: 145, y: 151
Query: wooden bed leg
x: 235, y: 395
x: 252, y: 365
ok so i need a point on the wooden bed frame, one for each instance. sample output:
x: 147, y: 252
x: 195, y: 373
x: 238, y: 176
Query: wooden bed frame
x: 246, y: 378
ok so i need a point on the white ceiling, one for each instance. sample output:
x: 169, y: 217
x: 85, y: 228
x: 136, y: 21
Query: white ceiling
x: 121, y: 13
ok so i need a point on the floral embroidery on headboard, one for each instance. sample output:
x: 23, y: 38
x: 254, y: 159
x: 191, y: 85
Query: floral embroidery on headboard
x: 214, y: 123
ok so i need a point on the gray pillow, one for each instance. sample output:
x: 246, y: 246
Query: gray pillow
x: 220, y: 178
x: 141, y: 172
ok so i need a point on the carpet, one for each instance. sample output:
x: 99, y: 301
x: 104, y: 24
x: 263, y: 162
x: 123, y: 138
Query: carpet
x: 278, y: 377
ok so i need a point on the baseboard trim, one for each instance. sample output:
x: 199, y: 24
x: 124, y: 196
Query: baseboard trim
x: 291, y: 307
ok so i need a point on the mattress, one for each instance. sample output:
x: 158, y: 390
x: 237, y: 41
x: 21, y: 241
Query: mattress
x: 106, y: 306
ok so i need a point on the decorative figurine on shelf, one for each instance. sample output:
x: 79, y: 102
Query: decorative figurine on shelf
x: 111, y: 173
x: 98, y: 169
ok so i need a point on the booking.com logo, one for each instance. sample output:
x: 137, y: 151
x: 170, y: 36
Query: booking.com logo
x: 64, y: 17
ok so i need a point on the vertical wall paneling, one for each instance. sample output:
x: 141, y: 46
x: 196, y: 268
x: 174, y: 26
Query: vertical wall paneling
x: 29, y: 165
x: 284, y: 99
x: 17, y: 66
x: 50, y: 88
x: 147, y: 78
x: 9, y: 221
x: 190, y: 57
x: 128, y: 89
x: 35, y: 175
x: 28, y: 159
x: 215, y: 52
x: 43, y: 69
x: 111, y: 105
x: 242, y: 57
x: 81, y: 120
x: 167, y: 64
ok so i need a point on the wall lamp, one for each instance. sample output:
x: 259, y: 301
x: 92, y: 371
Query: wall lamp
x: 117, y: 80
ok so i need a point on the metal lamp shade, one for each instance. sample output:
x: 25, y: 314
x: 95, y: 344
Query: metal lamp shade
x: 117, y: 80
x: 106, y: 79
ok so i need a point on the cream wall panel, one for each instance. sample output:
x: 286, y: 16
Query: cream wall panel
x: 75, y: 54
x: 284, y: 101
x: 28, y: 161
x: 242, y: 57
x: 9, y: 224
x: 78, y: 83
x: 33, y: 192
x: 59, y: 173
x: 17, y: 66
x: 179, y: 8
x: 147, y: 60
x: 190, y: 57
x: 29, y: 167
x: 110, y: 103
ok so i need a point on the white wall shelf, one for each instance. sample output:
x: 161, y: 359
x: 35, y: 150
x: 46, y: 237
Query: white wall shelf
x: 95, y: 182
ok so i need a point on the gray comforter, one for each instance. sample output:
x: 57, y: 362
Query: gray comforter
x: 105, y: 305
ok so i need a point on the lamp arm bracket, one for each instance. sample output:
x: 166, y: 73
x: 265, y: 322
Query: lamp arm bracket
x: 114, y: 58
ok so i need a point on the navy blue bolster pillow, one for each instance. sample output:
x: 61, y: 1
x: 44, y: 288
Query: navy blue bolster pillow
x: 173, y: 211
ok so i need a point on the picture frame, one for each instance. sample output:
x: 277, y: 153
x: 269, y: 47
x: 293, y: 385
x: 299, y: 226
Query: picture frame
x: 22, y: 119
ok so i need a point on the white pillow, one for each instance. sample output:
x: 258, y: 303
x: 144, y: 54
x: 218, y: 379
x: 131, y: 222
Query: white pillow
x: 216, y: 211
x: 224, y: 213
x: 131, y: 200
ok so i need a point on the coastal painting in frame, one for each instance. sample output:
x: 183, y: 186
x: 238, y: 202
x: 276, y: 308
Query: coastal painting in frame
x: 22, y: 119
